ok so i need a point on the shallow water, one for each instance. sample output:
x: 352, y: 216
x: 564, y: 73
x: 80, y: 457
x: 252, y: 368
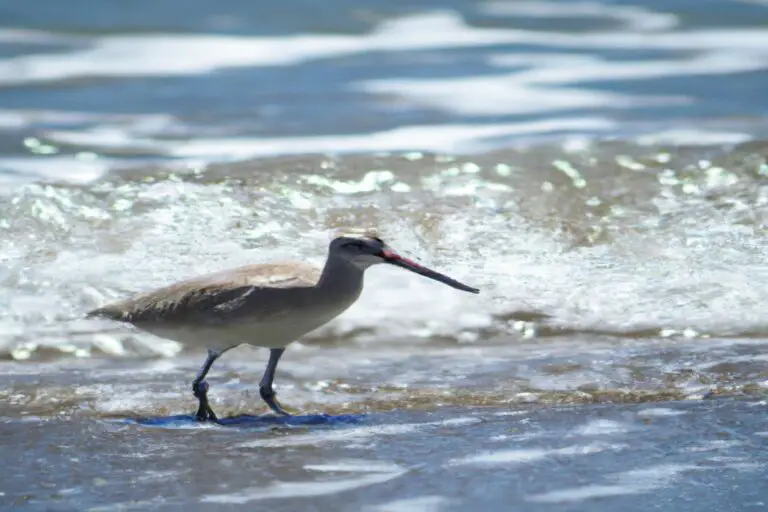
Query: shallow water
x: 694, y: 455
x: 598, y: 169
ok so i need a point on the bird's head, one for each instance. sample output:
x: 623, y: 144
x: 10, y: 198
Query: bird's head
x: 366, y: 248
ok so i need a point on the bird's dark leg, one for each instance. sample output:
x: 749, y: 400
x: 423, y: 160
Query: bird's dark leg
x: 200, y: 389
x: 265, y: 386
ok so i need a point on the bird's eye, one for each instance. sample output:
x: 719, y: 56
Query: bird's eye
x: 358, y: 246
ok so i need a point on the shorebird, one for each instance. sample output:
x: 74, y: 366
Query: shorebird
x: 266, y: 305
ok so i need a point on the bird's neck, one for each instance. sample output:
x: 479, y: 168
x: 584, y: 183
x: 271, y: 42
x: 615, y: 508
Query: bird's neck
x: 340, y: 276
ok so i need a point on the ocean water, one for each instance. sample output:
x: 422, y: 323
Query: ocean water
x: 598, y: 169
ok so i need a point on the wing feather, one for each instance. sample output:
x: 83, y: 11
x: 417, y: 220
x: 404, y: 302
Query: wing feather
x: 261, y: 290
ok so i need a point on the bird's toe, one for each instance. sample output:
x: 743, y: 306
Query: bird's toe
x: 270, y: 397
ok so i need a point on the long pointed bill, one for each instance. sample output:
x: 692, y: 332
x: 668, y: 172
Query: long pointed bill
x: 393, y: 258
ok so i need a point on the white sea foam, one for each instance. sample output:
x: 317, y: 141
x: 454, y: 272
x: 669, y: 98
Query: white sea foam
x: 439, y: 138
x: 514, y: 265
x: 601, y: 427
x: 374, y: 472
x: 524, y: 456
x: 694, y: 137
x: 140, y: 123
x: 556, y: 82
x: 632, y: 17
x: 501, y: 95
x: 192, y: 232
x: 560, y: 68
x: 541, y: 82
x: 57, y: 168
x: 418, y: 504
x: 29, y: 36
x: 631, y: 482
x: 352, y: 434
x: 181, y: 54
x: 659, y: 412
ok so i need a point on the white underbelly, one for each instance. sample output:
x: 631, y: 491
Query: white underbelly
x: 277, y: 333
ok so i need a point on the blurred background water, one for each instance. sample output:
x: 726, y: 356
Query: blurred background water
x: 597, y: 168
